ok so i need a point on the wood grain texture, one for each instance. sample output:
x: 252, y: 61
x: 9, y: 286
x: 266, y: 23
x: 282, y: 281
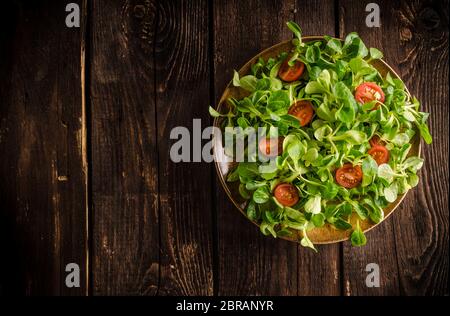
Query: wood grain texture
x: 125, y: 252
x: 318, y: 273
x: 42, y: 192
x: 411, y: 248
x: 421, y: 224
x: 182, y: 94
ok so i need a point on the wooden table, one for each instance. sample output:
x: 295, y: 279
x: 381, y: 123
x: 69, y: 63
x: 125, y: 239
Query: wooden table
x: 85, y: 121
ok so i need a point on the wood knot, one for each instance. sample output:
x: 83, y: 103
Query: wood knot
x: 429, y: 18
x: 138, y: 20
x: 139, y: 11
x: 405, y: 34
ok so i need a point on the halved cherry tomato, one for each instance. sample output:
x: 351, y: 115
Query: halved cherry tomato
x: 286, y: 194
x: 369, y: 91
x: 271, y: 147
x: 349, y: 176
x: 291, y: 73
x: 303, y: 110
x: 375, y: 140
x: 379, y: 153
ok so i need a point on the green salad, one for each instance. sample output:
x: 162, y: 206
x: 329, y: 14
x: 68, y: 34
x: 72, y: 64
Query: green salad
x: 337, y: 136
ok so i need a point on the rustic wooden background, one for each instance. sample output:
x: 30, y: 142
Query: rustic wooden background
x: 85, y: 118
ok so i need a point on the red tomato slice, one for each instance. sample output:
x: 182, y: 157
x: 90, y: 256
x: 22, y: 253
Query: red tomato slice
x: 349, y: 176
x: 379, y: 153
x: 271, y: 147
x: 291, y: 73
x: 375, y: 140
x: 369, y: 91
x: 303, y: 111
x: 286, y: 194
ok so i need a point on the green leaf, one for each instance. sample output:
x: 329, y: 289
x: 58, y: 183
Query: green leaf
x: 409, y: 116
x: 425, y: 133
x: 268, y: 167
x: 313, y: 205
x: 413, y: 164
x: 413, y: 180
x: 261, y: 195
x: 244, y: 192
x: 323, y: 132
x: 294, y: 150
x: 305, y: 242
x: 253, y: 184
x: 400, y: 139
x: 312, y: 54
x: 354, y: 46
x: 385, y: 172
x: 242, y: 122
x: 369, y: 105
x: 314, y: 72
x: 325, y: 79
x: 376, y: 213
x: 248, y: 170
x: 247, y: 82
x: 267, y: 228
x: 295, y: 29
x: 314, y: 87
x: 341, y: 68
x: 330, y: 190
x: 318, y: 219
x: 346, y: 113
x: 274, y: 71
x: 233, y: 175
x: 311, y: 155
x: 324, y: 112
x: 358, y: 238
x: 295, y: 215
x: 358, y: 64
x: 275, y: 84
x: 252, y: 212
x: 335, y: 45
x: 375, y: 53
x: 342, y: 224
x: 369, y: 169
x: 213, y: 112
x: 236, y: 81
x: 389, y: 79
x: 349, y: 38
x: 390, y: 192
x: 360, y: 210
x: 351, y: 136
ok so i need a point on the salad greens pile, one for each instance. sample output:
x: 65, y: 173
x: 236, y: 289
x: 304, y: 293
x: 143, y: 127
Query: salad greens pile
x: 338, y: 134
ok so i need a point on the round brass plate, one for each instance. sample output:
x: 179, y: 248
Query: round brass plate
x: 327, y: 233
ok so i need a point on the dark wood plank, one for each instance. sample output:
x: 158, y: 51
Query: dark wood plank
x: 42, y: 149
x: 182, y: 94
x: 411, y: 248
x: 318, y: 273
x: 421, y: 224
x: 124, y: 149
x: 249, y: 263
